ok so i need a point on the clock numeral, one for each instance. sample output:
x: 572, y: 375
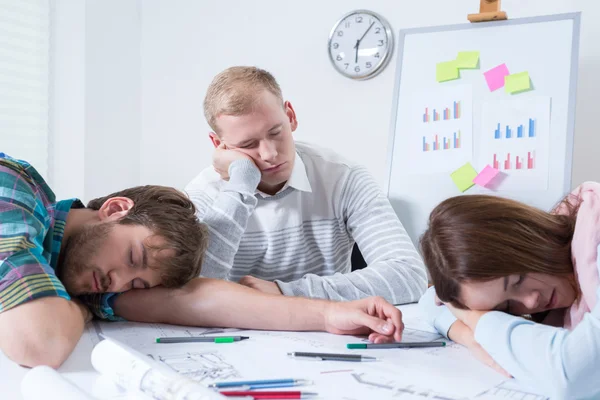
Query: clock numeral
x: 336, y: 45
x: 340, y: 33
x: 359, y: 19
x: 368, y: 64
x: 347, y: 24
x: 377, y: 30
x: 339, y: 58
x: 357, y: 69
x: 346, y: 64
x: 376, y: 55
x: 380, y: 43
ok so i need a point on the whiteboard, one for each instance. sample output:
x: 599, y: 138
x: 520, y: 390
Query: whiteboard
x: 547, y: 47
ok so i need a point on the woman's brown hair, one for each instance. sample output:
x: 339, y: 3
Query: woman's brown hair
x: 481, y: 237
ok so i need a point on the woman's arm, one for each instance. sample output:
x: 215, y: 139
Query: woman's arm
x: 556, y: 362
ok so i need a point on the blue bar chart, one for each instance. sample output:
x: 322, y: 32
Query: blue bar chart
x: 508, y: 132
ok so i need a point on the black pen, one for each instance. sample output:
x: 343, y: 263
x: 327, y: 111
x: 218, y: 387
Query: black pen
x: 212, y: 339
x: 405, y: 345
x: 332, y: 357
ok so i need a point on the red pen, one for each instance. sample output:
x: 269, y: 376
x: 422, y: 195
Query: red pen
x: 269, y: 395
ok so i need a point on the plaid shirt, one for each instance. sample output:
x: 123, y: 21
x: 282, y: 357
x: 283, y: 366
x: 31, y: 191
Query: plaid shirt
x: 32, y: 224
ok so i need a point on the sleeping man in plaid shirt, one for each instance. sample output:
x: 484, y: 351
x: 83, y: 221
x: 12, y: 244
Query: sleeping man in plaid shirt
x: 52, y: 254
x: 51, y: 251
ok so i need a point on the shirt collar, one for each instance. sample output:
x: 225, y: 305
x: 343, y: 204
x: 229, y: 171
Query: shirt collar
x: 298, y: 178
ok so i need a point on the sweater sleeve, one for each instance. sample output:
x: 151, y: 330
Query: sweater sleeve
x: 394, y: 269
x: 226, y: 216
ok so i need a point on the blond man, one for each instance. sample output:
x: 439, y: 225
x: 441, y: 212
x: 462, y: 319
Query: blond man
x: 288, y: 213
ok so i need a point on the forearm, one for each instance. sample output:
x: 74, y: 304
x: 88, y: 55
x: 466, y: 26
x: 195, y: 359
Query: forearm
x: 227, y: 217
x: 208, y: 302
x: 557, y: 362
x: 395, y: 281
x: 461, y: 334
x: 41, y: 332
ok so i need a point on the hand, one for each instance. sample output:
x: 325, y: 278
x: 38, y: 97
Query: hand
x: 261, y: 285
x: 85, y: 311
x: 224, y: 157
x: 462, y: 334
x: 483, y: 356
x: 469, y: 317
x: 373, y: 316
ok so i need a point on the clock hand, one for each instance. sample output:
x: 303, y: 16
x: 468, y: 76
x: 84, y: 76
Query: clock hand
x: 367, y: 31
x: 359, y: 40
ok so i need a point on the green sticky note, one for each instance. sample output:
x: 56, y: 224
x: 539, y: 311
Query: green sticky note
x: 446, y: 71
x: 467, y: 59
x: 516, y: 83
x: 463, y: 177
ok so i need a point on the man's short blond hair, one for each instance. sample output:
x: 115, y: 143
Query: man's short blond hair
x: 235, y: 92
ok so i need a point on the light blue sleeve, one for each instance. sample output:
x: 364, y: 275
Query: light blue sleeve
x: 560, y: 363
x: 439, y: 317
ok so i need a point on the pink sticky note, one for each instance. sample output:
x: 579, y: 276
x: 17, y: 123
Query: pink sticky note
x: 486, y: 176
x: 495, y: 77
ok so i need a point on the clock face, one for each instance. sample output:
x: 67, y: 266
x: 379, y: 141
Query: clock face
x: 360, y: 44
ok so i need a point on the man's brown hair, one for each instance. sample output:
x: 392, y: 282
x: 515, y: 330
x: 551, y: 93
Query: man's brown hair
x: 235, y: 92
x: 170, y: 214
x: 480, y: 238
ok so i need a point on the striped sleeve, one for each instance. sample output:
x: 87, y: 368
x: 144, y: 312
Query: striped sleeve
x: 226, y: 216
x: 25, y: 273
x: 394, y: 269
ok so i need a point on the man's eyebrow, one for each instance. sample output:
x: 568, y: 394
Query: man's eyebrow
x: 241, y: 144
x: 275, y: 127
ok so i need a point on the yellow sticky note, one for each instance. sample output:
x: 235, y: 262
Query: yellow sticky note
x: 516, y: 83
x: 467, y: 59
x: 463, y: 177
x: 446, y: 71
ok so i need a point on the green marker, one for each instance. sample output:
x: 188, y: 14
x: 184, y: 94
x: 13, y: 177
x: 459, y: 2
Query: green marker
x: 209, y: 339
x: 401, y: 345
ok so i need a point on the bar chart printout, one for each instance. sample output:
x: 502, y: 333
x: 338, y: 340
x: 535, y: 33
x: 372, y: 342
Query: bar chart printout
x: 445, y: 114
x: 522, y: 131
x: 515, y: 138
x: 440, y: 135
x: 438, y: 142
x: 513, y: 161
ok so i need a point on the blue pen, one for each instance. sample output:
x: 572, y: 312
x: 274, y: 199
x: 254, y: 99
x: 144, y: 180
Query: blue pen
x: 262, y: 384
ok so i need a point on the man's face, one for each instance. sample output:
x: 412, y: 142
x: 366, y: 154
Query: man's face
x: 110, y: 257
x: 265, y: 135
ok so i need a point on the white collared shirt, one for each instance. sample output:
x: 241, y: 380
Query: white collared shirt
x: 298, y: 179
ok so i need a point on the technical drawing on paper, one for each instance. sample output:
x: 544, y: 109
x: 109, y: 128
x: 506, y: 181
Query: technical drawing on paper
x: 200, y: 366
x: 507, y: 390
x: 409, y: 391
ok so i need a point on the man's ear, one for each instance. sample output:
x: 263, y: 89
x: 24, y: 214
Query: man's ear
x: 289, y: 110
x: 214, y: 139
x: 115, y: 208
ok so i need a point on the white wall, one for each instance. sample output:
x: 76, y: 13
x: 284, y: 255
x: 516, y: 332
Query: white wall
x: 96, y: 104
x: 67, y: 116
x: 112, y: 106
x: 183, y: 44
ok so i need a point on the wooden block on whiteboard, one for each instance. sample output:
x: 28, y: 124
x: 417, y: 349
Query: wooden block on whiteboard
x: 486, y: 6
x: 487, y: 16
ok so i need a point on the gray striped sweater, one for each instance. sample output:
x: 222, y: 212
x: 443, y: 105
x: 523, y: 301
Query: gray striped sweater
x: 302, y: 237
